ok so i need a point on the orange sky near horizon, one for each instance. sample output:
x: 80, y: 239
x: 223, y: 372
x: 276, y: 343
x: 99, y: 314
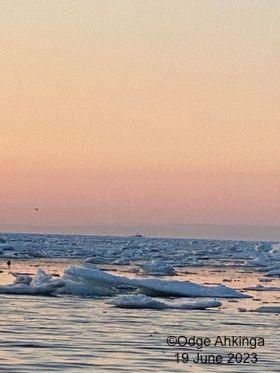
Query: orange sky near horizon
x: 140, y: 112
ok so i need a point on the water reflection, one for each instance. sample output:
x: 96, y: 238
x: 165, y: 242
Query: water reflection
x: 41, y: 334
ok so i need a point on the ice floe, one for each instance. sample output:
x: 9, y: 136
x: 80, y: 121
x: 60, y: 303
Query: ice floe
x: 268, y: 309
x: 185, y: 289
x: 143, y: 301
x: 21, y: 278
x: 263, y: 279
x: 275, y: 272
x: 92, y: 281
x: 157, y: 267
x: 40, y: 284
x: 137, y: 301
x: 262, y: 288
x: 93, y: 278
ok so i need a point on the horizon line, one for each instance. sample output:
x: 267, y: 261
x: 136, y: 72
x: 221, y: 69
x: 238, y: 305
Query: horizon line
x: 188, y: 231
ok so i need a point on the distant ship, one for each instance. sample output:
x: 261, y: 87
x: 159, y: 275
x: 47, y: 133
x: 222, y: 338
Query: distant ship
x: 138, y: 235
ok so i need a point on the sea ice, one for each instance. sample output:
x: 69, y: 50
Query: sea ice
x: 41, y: 284
x: 125, y: 250
x: 143, y: 301
x: 98, y: 260
x: 157, y: 268
x: 137, y: 301
x: 185, y: 289
x: 93, y: 278
x: 268, y: 309
x: 275, y: 272
x: 262, y: 288
x: 21, y: 279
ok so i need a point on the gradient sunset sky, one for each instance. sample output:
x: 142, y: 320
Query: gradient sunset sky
x: 124, y: 114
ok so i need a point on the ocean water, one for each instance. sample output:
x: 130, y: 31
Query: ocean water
x: 75, y: 333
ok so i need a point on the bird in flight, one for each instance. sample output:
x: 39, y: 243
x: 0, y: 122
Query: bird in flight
x: 36, y: 209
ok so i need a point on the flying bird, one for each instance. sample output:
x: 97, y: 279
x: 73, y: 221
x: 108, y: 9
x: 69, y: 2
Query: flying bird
x: 36, y: 208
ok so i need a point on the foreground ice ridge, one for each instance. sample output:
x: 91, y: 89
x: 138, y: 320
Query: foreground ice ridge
x: 91, y: 281
x: 143, y: 301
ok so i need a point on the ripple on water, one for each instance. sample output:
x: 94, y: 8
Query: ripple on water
x: 77, y: 335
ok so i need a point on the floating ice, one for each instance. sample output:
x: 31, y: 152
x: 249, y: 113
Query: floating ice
x: 41, y: 284
x: 121, y: 261
x: 268, y: 309
x: 137, y: 301
x: 157, y: 268
x: 41, y: 278
x: 21, y: 278
x: 263, y: 279
x: 98, y: 260
x: 275, y: 272
x: 143, y: 301
x: 185, y: 289
x: 94, y: 279
x: 262, y: 288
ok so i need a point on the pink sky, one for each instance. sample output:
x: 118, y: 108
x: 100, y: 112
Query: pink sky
x: 139, y: 113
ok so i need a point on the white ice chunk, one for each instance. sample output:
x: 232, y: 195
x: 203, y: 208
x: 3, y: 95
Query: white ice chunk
x: 157, y: 268
x: 91, y: 281
x: 93, y: 277
x: 98, y: 260
x: 41, y: 278
x: 262, y: 288
x: 263, y: 279
x: 21, y: 278
x: 275, y: 272
x: 137, y: 301
x: 185, y: 289
x: 143, y: 301
x: 268, y: 309
x: 41, y: 284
